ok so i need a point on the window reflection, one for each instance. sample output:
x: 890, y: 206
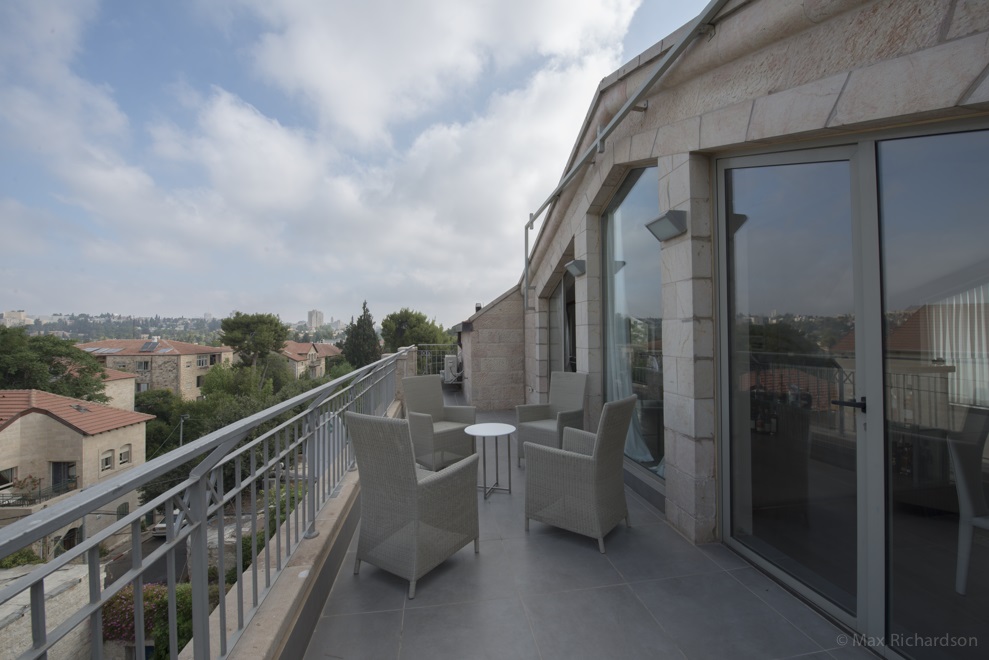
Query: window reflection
x: 633, y: 321
x: 791, y: 301
x: 933, y: 201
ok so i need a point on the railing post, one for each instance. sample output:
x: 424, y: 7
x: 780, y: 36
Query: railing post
x: 198, y: 569
x: 314, y: 433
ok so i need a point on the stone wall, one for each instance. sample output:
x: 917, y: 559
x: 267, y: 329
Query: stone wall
x: 494, y: 355
x: 772, y: 74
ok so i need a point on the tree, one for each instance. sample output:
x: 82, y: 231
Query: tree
x: 360, y: 343
x: 408, y: 327
x: 50, y: 364
x: 254, y: 337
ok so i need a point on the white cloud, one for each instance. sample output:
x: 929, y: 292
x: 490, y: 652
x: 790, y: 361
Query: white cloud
x: 364, y: 67
x: 273, y: 214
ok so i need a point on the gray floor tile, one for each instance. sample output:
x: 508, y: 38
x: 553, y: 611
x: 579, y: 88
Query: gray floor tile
x: 465, y: 631
x: 791, y: 608
x: 558, y: 561
x: 374, y: 636
x: 723, y: 556
x: 712, y: 615
x: 607, y: 622
x: 467, y: 577
x: 372, y: 590
x: 648, y: 552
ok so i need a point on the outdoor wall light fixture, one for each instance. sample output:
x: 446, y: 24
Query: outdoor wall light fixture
x: 669, y: 225
x: 577, y: 267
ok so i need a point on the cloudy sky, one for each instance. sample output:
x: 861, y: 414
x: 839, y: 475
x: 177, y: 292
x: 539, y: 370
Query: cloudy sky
x: 279, y: 156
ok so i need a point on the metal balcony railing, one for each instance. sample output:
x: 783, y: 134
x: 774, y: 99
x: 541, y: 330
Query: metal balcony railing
x: 432, y: 359
x: 36, y: 496
x: 271, y: 472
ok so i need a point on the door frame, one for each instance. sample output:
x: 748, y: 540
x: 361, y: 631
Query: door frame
x: 872, y: 474
x: 869, y: 616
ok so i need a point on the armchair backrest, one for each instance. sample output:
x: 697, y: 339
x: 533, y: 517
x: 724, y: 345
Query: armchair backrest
x: 383, y: 447
x: 566, y: 390
x: 424, y: 394
x: 965, y: 449
x: 609, y: 445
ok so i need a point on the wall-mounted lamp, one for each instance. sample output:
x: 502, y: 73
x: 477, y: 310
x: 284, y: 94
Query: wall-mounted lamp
x: 577, y: 267
x: 735, y: 222
x: 669, y: 225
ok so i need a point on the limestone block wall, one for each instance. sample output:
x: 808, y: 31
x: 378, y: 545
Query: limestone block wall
x: 772, y: 74
x: 121, y: 393
x: 36, y: 440
x: 494, y: 355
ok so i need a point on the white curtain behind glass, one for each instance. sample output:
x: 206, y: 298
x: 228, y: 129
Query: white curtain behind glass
x: 619, y: 346
x: 959, y: 336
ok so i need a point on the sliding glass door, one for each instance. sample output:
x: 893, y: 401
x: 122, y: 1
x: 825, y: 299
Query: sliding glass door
x: 934, y: 212
x: 791, y: 310
x: 855, y: 376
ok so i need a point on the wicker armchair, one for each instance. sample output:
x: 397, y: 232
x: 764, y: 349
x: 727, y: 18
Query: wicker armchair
x: 543, y: 423
x: 580, y: 487
x: 965, y: 449
x: 411, y: 519
x: 437, y: 430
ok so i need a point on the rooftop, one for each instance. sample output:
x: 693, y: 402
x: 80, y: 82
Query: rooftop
x: 85, y: 417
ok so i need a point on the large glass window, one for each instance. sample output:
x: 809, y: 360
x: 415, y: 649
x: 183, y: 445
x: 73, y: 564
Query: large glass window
x: 633, y: 314
x: 791, y: 314
x: 933, y: 209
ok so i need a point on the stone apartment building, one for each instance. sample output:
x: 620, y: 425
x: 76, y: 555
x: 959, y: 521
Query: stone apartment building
x: 804, y: 161
x: 160, y: 363
x: 308, y: 358
x: 51, y: 446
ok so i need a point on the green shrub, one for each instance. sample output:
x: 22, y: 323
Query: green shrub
x: 183, y: 614
x: 22, y: 557
x: 118, y: 612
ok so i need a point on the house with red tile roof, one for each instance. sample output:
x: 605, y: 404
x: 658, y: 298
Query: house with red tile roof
x: 120, y: 387
x: 308, y: 358
x: 160, y: 363
x: 52, y: 445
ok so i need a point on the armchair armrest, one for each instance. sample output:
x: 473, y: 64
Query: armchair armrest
x: 528, y: 412
x: 420, y: 425
x: 447, y: 498
x: 548, y: 464
x: 570, y: 419
x: 461, y: 414
x: 578, y: 441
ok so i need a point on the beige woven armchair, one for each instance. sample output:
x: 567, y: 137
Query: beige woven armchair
x: 411, y: 519
x: 437, y: 430
x: 543, y: 423
x: 580, y: 487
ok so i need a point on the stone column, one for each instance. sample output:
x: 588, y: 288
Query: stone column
x: 688, y: 350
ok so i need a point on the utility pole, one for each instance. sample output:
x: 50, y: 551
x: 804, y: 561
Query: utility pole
x: 182, y: 419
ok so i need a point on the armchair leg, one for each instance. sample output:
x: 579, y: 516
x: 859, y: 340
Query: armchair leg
x: 357, y: 567
x: 477, y: 546
x: 964, y: 554
x: 412, y: 589
x: 601, y: 545
x: 527, y: 524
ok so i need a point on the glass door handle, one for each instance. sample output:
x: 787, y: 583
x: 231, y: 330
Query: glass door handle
x: 850, y: 403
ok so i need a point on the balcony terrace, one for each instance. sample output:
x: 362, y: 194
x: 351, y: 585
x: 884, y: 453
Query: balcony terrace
x: 545, y: 593
x: 548, y: 593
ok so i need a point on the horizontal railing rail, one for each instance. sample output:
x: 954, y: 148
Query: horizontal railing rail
x: 253, y: 494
